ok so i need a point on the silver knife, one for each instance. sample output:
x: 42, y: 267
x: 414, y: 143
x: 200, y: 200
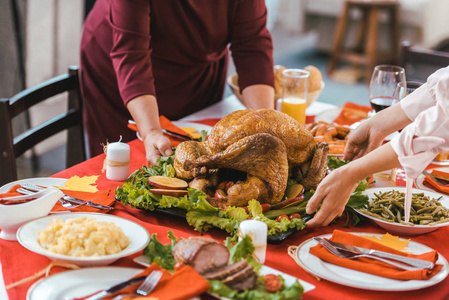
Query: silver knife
x: 36, y: 188
x: 419, y: 263
x: 115, y: 288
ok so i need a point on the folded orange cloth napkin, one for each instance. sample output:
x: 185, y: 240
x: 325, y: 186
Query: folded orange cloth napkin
x: 185, y: 283
x: 372, y: 266
x: 351, y: 113
x: 12, y: 192
x: 100, y: 197
x: 430, y: 183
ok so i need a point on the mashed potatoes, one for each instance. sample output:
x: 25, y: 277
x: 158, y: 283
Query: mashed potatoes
x: 82, y: 237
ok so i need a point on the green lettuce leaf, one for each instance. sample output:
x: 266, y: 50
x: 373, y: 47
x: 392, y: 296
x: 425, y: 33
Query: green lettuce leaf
x: 161, y: 254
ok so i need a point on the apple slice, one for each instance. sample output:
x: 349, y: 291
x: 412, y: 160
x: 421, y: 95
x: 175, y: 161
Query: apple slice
x: 294, y: 191
x: 174, y: 193
x: 168, y: 183
x: 289, y: 202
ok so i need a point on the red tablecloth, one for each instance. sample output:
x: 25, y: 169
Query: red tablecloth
x: 19, y: 263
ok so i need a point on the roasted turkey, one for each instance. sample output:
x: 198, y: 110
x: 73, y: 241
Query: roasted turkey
x: 267, y: 145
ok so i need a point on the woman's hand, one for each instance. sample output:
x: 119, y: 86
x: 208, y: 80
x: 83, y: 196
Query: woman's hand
x: 333, y: 192
x: 156, y: 144
x: 370, y: 134
x: 364, y: 139
x: 145, y: 112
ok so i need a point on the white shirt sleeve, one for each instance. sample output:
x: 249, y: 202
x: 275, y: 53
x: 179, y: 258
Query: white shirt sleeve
x: 428, y: 135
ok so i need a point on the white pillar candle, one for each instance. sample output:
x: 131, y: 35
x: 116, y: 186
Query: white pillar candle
x: 257, y: 230
x: 117, y: 161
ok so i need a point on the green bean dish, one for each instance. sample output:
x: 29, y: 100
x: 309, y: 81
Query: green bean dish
x: 389, y: 206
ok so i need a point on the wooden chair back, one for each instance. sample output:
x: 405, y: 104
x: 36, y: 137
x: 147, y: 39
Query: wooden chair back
x: 421, y: 63
x: 12, y: 147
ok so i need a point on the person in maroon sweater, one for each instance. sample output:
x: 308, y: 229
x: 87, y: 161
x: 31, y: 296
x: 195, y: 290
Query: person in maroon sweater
x: 142, y: 58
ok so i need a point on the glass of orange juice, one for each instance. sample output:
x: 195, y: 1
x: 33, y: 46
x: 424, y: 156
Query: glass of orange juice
x: 295, y: 84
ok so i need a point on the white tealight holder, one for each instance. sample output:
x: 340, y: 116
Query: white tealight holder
x: 257, y: 230
x: 117, y: 161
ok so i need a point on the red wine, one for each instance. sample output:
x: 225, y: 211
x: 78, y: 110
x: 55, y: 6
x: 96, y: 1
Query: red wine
x: 380, y: 103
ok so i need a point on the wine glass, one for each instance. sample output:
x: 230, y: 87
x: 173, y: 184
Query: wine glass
x: 405, y: 89
x: 383, y: 85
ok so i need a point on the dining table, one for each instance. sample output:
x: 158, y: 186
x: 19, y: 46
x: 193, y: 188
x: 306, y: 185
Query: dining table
x: 15, y: 267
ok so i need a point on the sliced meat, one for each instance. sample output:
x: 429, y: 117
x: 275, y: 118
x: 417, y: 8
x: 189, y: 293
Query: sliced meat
x: 223, y: 272
x: 202, y: 254
x: 239, y: 276
x: 246, y: 284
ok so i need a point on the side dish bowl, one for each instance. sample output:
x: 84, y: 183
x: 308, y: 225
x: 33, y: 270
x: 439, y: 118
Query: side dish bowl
x: 12, y: 216
x: 403, y: 229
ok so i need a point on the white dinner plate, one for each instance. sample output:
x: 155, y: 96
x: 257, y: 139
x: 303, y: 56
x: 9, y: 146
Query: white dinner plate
x: 138, y: 236
x: 79, y: 283
x: 420, y: 179
x: 402, y: 229
x: 289, y: 280
x: 198, y: 127
x: 361, y: 280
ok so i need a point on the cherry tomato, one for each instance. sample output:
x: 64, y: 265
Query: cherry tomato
x: 272, y: 283
x: 280, y: 217
x: 294, y: 216
x: 178, y: 266
x: 265, y: 207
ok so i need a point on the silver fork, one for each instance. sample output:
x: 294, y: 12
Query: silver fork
x: 64, y: 203
x: 344, y: 254
x: 146, y: 287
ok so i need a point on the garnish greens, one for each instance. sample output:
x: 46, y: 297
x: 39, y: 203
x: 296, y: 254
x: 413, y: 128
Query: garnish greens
x: 244, y: 249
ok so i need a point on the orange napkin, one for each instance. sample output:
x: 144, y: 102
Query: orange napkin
x: 351, y: 113
x: 430, y: 183
x: 100, y: 197
x: 12, y: 192
x: 185, y: 283
x: 372, y: 266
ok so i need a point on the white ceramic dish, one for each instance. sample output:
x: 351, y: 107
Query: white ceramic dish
x: 400, y: 229
x: 420, y: 179
x: 328, y: 115
x: 79, y: 283
x: 13, y: 216
x: 361, y: 280
x: 138, y: 236
x: 289, y: 280
x: 198, y: 127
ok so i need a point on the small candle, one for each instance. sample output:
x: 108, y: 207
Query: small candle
x: 117, y: 161
x: 257, y: 230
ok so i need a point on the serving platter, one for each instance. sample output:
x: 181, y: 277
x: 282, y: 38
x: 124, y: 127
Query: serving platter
x: 264, y: 270
x: 361, y: 280
x: 138, y: 236
x: 274, y: 239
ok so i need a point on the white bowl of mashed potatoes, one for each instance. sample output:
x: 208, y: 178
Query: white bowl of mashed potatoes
x: 83, y: 239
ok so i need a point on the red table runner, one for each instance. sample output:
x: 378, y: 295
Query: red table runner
x: 18, y: 262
